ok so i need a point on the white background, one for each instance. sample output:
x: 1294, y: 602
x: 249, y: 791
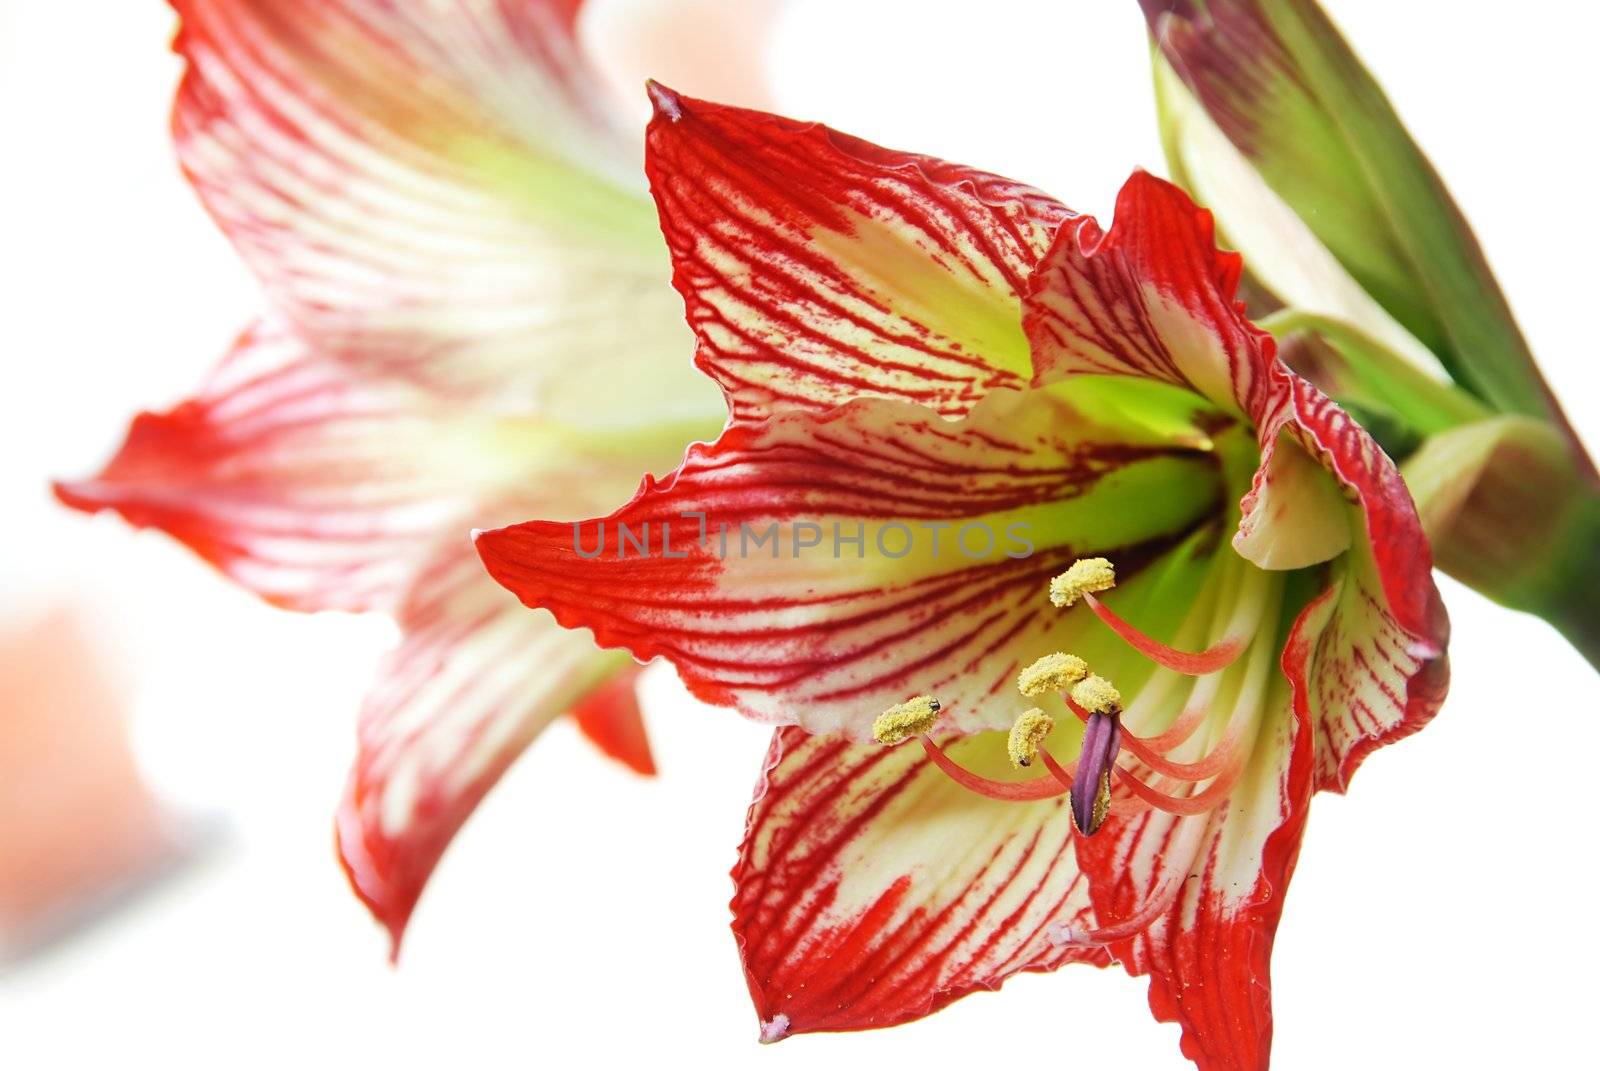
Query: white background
x: 1442, y: 916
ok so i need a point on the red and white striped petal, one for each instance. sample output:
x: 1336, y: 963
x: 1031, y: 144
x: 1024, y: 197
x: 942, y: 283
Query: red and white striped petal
x: 1151, y: 297
x: 872, y: 889
x: 319, y: 487
x: 435, y: 192
x: 1208, y: 951
x: 475, y: 679
x: 313, y: 487
x: 806, y: 626
x: 817, y: 267
x: 1377, y: 671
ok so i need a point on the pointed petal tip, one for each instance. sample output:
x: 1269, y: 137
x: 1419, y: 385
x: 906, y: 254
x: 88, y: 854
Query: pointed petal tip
x: 667, y: 103
x: 775, y: 1029
x: 389, y: 912
x: 78, y: 495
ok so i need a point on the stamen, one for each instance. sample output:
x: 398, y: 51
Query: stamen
x: 1218, y: 656
x: 1199, y: 803
x: 1040, y: 788
x: 1084, y: 576
x: 1096, y: 695
x: 905, y: 720
x: 1027, y: 735
x: 1052, y: 673
x: 1209, y: 765
x: 1134, y: 924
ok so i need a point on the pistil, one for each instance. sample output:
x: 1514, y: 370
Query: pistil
x: 1102, y: 742
x: 1087, y: 576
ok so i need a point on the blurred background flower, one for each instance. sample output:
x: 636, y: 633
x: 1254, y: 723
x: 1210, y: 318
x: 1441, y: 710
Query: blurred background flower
x: 79, y: 828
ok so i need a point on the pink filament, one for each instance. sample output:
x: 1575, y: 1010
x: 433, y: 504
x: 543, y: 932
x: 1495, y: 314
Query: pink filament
x: 1218, y: 656
x: 1062, y: 774
x: 1039, y: 788
x: 1134, y: 924
x: 1177, y: 732
x: 1199, y: 803
x: 1212, y: 764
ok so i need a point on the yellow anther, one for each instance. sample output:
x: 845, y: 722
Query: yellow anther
x: 1027, y: 736
x: 905, y: 720
x: 1096, y: 695
x: 1085, y: 575
x: 1052, y: 673
x: 1102, y: 801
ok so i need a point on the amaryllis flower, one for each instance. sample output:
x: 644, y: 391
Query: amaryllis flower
x: 470, y: 322
x: 982, y: 446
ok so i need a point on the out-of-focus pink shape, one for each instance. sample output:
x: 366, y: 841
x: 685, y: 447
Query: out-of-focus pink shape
x: 77, y: 823
x: 708, y: 48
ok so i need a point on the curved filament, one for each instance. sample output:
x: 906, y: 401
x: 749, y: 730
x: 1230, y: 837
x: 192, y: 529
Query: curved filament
x: 1210, y: 765
x: 1219, y: 655
x: 1040, y: 788
x: 1176, y: 733
x: 1200, y: 803
x: 1132, y: 926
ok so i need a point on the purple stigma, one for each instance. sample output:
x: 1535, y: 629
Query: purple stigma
x: 1091, y: 784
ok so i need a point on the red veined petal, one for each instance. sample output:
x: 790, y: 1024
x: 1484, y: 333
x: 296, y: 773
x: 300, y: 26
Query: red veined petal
x: 308, y: 485
x: 437, y: 193
x: 610, y: 718
x: 1151, y: 297
x: 872, y: 889
x: 1154, y: 298
x: 1208, y: 951
x: 817, y: 267
x: 832, y: 633
x: 475, y: 679
x: 1378, y: 670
